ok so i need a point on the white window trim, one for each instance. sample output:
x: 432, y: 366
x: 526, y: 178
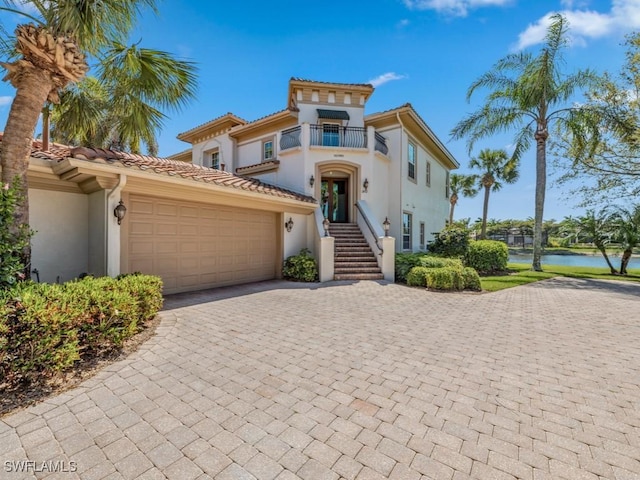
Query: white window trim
x: 273, y: 149
x: 414, y: 179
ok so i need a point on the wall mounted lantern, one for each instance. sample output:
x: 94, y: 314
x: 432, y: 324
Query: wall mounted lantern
x: 288, y: 224
x: 386, y: 225
x: 365, y: 185
x: 120, y: 211
x: 312, y: 180
x: 325, y: 225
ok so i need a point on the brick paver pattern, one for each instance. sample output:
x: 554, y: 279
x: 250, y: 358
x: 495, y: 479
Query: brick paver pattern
x: 358, y: 381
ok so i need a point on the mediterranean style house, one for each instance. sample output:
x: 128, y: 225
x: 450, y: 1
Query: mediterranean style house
x: 362, y: 168
x: 320, y: 174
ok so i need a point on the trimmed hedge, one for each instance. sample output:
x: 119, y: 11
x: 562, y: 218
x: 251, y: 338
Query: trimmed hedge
x: 471, y: 279
x: 487, y: 256
x: 301, y: 268
x: 46, y: 328
x: 405, y: 262
x: 445, y: 278
x: 450, y: 277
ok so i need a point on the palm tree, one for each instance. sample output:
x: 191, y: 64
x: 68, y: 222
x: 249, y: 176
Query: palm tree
x: 529, y: 93
x: 598, y: 227
x: 460, y: 185
x: 627, y: 225
x: 121, y: 107
x: 496, y: 167
x: 52, y: 52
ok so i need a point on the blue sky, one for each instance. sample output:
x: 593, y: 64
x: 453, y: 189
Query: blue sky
x: 426, y: 52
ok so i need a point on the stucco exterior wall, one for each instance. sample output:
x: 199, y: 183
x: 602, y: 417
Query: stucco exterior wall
x: 225, y: 146
x: 60, y: 246
x: 427, y: 204
x: 296, y: 239
x: 309, y: 113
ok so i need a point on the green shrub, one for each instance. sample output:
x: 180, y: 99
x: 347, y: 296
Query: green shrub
x: 487, y: 256
x: 450, y: 242
x: 46, y: 328
x: 417, y: 277
x: 404, y: 263
x: 431, y: 261
x: 471, y: 279
x: 301, y: 268
x: 445, y: 278
x: 13, y: 238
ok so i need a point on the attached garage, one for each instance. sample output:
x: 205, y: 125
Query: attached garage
x: 194, y: 246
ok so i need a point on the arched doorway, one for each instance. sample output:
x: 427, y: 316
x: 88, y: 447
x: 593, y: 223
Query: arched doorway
x: 338, y: 193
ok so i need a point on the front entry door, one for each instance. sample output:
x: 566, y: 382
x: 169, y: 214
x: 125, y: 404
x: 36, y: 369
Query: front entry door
x: 335, y: 199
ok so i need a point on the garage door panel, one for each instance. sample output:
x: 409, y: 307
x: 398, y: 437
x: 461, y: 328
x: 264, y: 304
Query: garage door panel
x: 167, y: 209
x: 194, y: 246
x: 166, y: 229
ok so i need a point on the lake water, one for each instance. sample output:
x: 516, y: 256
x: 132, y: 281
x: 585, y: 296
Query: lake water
x: 576, y: 260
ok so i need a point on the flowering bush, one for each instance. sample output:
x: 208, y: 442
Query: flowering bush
x: 14, y: 239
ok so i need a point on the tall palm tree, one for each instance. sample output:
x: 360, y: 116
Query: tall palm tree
x: 496, y: 167
x: 52, y: 53
x: 121, y: 107
x: 529, y: 93
x: 460, y: 184
x: 598, y: 226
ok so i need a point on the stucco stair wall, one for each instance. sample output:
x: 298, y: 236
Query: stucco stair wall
x: 354, y: 259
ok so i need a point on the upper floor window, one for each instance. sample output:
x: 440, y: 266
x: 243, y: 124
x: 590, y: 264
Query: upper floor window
x: 411, y: 160
x: 267, y: 150
x: 215, y: 160
x: 428, y: 174
x: 422, y: 237
x: 211, y: 158
x: 330, y: 134
x: 446, y: 186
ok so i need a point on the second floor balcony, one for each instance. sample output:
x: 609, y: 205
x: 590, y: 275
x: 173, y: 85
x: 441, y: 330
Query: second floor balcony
x: 333, y: 136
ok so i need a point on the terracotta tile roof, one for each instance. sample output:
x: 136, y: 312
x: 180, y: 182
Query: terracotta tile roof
x: 186, y: 170
x: 298, y: 79
x: 265, y: 165
x: 163, y: 166
x: 231, y: 116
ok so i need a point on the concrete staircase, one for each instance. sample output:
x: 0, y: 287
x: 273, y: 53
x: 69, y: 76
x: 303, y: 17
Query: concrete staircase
x: 354, y: 259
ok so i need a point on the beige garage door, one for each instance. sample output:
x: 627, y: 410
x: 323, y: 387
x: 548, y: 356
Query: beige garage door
x: 194, y: 246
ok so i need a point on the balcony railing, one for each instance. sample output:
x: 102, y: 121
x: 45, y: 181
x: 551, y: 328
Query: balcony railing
x: 290, y: 138
x: 332, y: 135
x: 329, y: 135
x: 381, y: 144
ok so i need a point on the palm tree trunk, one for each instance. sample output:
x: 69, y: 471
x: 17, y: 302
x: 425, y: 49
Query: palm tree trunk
x: 541, y: 185
x: 453, y: 200
x: 46, y: 127
x: 32, y: 91
x: 485, y: 213
x: 626, y: 256
x: 603, y: 250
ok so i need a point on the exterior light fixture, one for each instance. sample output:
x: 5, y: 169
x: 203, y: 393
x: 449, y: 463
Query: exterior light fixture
x: 312, y: 180
x: 365, y: 185
x: 120, y: 211
x: 386, y: 225
x: 288, y: 224
x: 325, y: 225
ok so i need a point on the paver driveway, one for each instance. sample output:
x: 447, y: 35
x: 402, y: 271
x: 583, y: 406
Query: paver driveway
x: 366, y: 380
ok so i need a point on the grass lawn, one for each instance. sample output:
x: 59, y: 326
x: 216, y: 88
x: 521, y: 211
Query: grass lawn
x: 522, y: 274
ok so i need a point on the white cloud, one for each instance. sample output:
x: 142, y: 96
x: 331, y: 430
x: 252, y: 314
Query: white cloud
x: 458, y: 8
x: 5, y: 100
x: 586, y: 24
x: 384, y: 78
x: 403, y: 23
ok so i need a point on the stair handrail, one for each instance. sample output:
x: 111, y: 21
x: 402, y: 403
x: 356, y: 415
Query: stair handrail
x: 371, y: 229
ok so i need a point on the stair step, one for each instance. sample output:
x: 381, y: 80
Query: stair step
x: 358, y: 276
x: 356, y: 260
x: 339, y: 270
